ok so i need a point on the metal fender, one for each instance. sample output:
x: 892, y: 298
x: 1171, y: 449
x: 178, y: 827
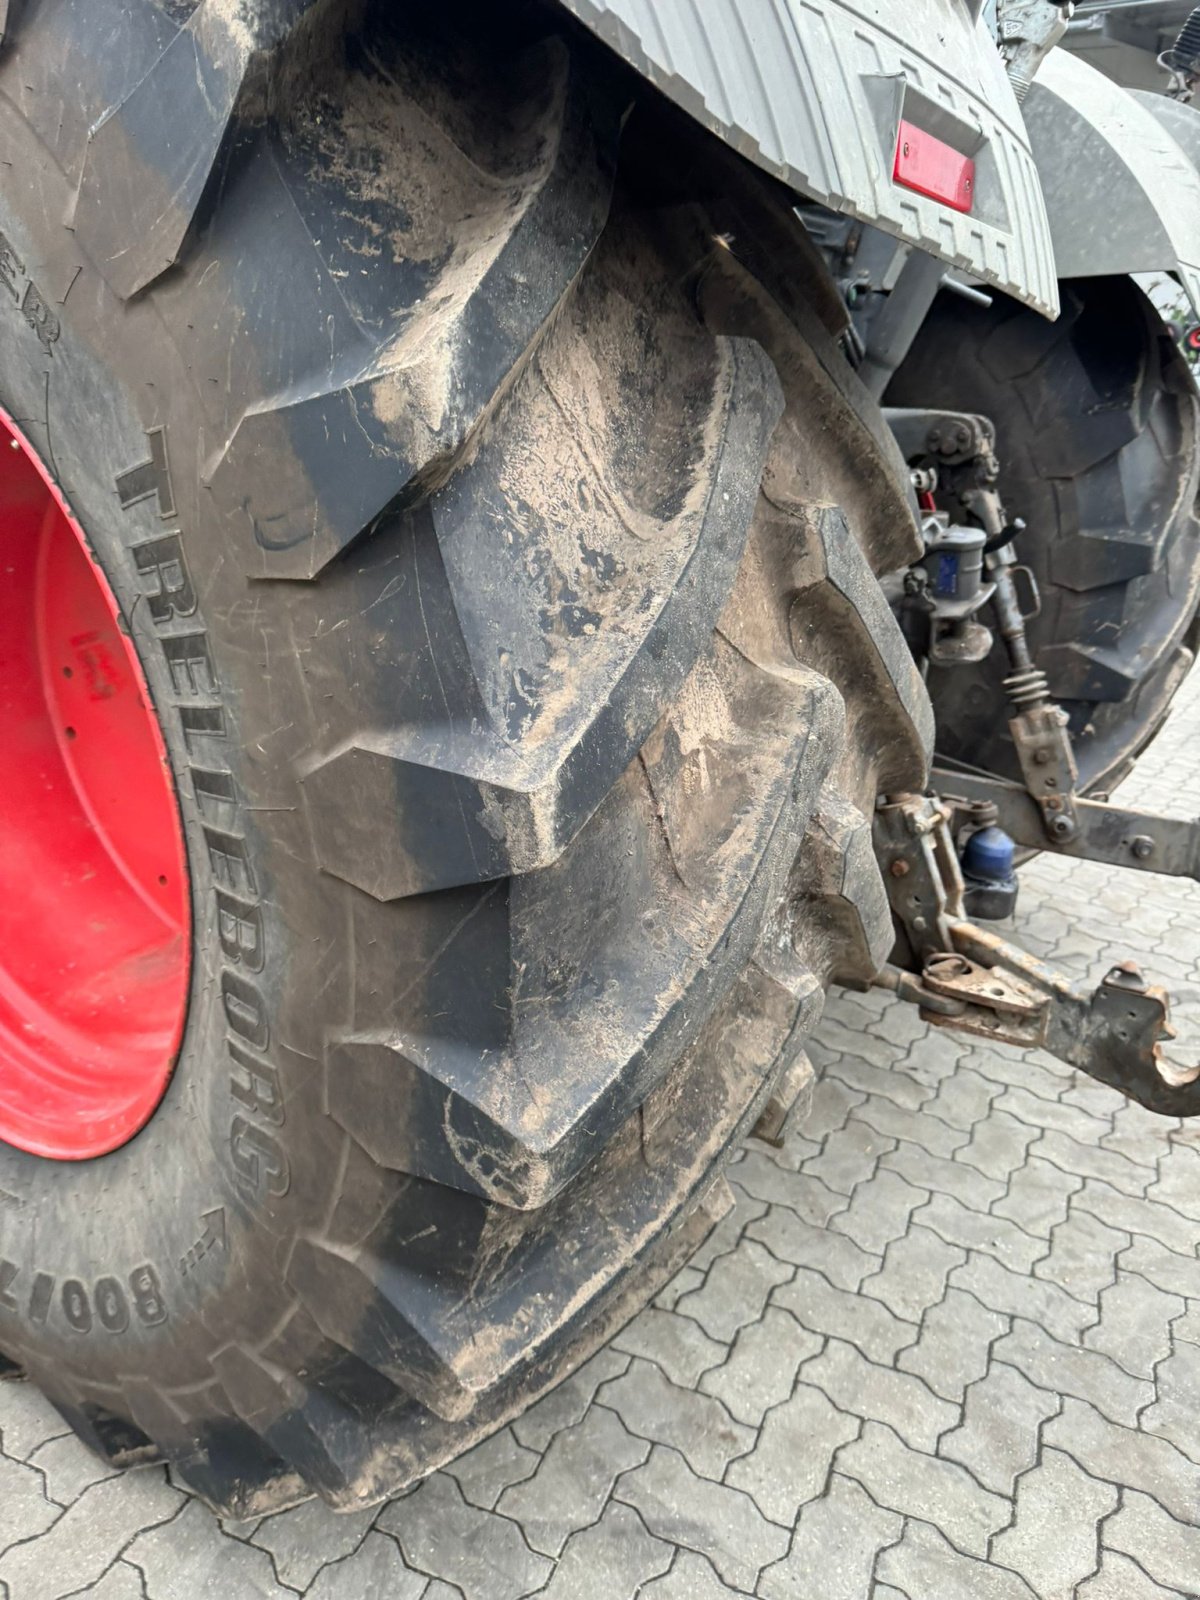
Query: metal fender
x: 815, y: 92
x: 1122, y: 190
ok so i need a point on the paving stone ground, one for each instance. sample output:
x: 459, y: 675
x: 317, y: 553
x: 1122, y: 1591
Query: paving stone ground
x: 945, y: 1347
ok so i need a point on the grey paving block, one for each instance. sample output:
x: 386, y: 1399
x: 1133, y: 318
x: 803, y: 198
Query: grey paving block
x: 569, y: 1402
x: 1017, y: 1294
x: 923, y: 1486
x: 1137, y: 1134
x: 866, y: 1323
x: 677, y: 1344
x: 27, y: 1420
x: 1160, y: 1223
x: 690, y: 1578
x: 789, y: 1239
x: 915, y: 1271
x: 1037, y: 1196
x: 1119, y: 1578
x: 1178, y: 1182
x: 685, y: 1280
x: 191, y: 1557
x: 879, y: 1211
x: 912, y: 1126
x: 995, y: 1236
x: 849, y: 1156
x: 1052, y: 1541
x: 1100, y: 1161
x: 924, y: 1564
x: 718, y: 1522
x: 763, y: 1180
x: 1167, y: 1549
x: 835, y: 1547
x: 24, y: 1508
x: 575, y: 1476
x: 1135, y: 1324
x: 832, y: 1103
x: 1124, y: 1456
x: 69, y: 1468
x: 90, y: 1535
x: 1034, y: 1112
x: 998, y: 1145
x: 762, y: 1367
x: 613, y: 1557
x: 485, y: 1472
x: 735, y: 1291
x: 723, y: 1239
x: 963, y: 1099
x: 477, y: 1552
x: 1167, y: 1269
x: 955, y: 1344
x: 120, y: 1582
x: 998, y: 1437
x: 1083, y: 1256
x: 798, y: 1442
x: 928, y: 1171
x: 302, y: 1541
x: 881, y: 1394
x: 1176, y: 1408
x: 1072, y: 1370
x: 864, y: 1061
x: 697, y: 1425
x: 376, y: 1569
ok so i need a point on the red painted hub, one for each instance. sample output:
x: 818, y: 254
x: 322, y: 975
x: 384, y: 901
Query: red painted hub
x: 94, y: 946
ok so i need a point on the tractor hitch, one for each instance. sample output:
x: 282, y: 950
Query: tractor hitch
x: 964, y: 977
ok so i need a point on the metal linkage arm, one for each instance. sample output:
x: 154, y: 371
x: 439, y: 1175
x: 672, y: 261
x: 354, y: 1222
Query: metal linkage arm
x: 1113, y: 835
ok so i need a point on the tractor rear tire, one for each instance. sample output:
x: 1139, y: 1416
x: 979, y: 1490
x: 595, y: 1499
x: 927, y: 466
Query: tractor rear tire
x: 1098, y: 433
x: 501, y: 559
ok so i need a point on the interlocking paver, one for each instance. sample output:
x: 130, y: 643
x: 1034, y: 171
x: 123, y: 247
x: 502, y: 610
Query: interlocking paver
x: 1122, y: 1455
x: 914, y: 1274
x: 955, y: 1344
x: 735, y: 1291
x: 881, y: 1394
x: 613, y: 1557
x: 721, y: 1523
x: 1167, y: 1549
x: 834, y: 1548
x: 761, y: 1370
x: 190, y: 1554
x: 376, y: 1568
x: 998, y: 1437
x: 1135, y: 1324
x: 574, y: 1478
x: 924, y: 1486
x: 850, y: 1155
x: 879, y: 1211
x: 90, y: 1535
x: 924, y: 1564
x: 1052, y: 1541
x: 1119, y: 1578
x: 1017, y: 1294
x: 1073, y: 1370
x: 818, y: 1306
x: 305, y: 1539
x: 950, y: 1330
x: 798, y: 1442
x: 789, y: 1239
x: 476, y: 1551
x: 697, y: 1425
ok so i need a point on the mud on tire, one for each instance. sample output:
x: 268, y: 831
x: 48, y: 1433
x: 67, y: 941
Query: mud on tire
x: 501, y: 557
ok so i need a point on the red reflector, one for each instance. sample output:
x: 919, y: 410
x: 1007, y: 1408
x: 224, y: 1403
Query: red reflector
x: 934, y: 168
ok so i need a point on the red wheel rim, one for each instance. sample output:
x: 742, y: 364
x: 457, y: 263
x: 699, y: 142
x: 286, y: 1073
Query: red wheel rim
x: 94, y: 946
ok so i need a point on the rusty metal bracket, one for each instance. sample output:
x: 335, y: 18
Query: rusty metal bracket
x: 973, y: 981
x: 1116, y: 836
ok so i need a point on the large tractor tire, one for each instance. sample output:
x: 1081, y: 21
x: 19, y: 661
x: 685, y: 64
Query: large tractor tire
x: 499, y: 558
x: 1098, y: 433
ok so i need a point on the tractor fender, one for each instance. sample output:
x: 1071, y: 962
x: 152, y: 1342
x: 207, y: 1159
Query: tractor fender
x: 1120, y: 174
x: 815, y: 91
